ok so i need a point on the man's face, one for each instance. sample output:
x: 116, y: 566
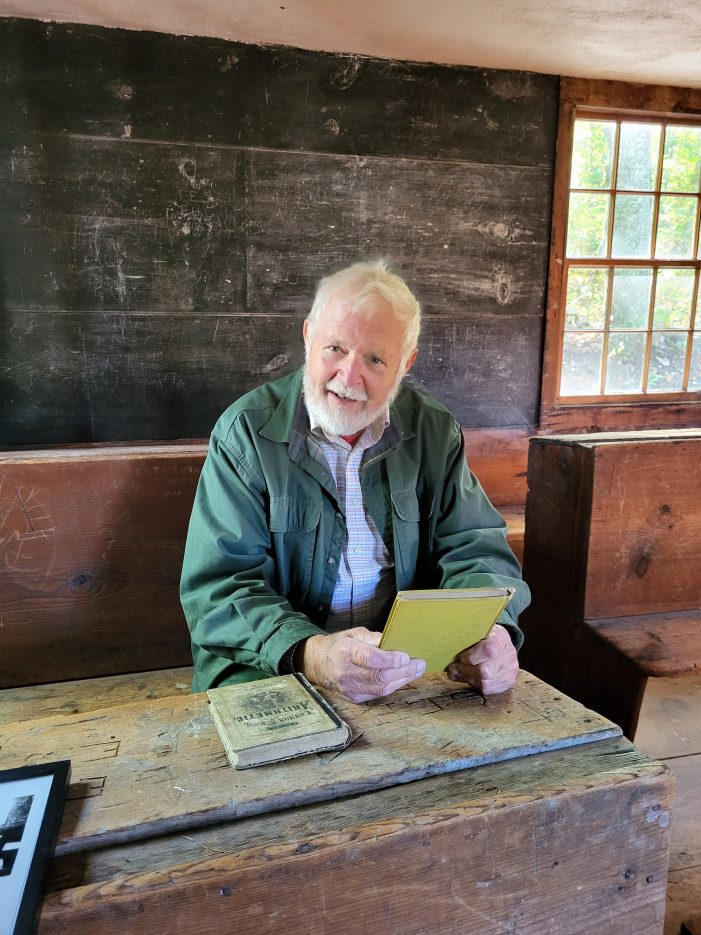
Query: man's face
x: 353, y: 366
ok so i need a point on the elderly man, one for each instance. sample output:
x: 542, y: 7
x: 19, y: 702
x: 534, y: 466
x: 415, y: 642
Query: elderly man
x: 326, y: 492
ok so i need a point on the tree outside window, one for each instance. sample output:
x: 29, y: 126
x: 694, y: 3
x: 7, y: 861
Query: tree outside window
x: 631, y: 323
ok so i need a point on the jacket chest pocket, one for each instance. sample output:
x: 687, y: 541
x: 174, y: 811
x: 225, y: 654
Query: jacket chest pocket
x: 293, y: 525
x: 405, y: 522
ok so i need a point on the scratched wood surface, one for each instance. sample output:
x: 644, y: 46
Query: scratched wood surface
x: 146, y: 768
x: 645, y: 534
x: 497, y: 848
x: 613, y: 530
x: 659, y: 644
x: 91, y: 546
x: 508, y: 784
x: 170, y: 203
x: 186, y: 88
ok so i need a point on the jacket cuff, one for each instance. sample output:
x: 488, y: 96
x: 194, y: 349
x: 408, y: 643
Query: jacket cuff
x: 515, y: 632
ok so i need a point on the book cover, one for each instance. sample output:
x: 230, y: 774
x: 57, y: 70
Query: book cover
x: 275, y: 719
x: 437, y: 624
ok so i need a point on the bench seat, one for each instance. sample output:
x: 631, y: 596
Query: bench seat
x: 657, y: 645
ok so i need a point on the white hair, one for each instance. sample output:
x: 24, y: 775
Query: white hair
x: 359, y: 287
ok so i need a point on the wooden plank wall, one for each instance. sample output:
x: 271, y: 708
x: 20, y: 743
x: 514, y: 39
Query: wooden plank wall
x: 169, y: 203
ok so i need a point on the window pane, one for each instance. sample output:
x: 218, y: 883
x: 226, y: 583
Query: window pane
x: 695, y: 369
x: 586, y: 298
x: 673, y: 296
x: 667, y: 354
x: 630, y: 298
x: 625, y: 361
x: 587, y: 225
x: 632, y: 226
x: 676, y: 227
x: 638, y: 154
x: 581, y: 365
x: 592, y: 153
x: 682, y: 159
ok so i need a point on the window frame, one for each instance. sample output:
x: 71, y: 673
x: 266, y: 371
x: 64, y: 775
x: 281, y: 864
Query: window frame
x: 584, y: 97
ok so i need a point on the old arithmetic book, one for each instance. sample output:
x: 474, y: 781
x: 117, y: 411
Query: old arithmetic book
x: 437, y: 624
x: 275, y: 719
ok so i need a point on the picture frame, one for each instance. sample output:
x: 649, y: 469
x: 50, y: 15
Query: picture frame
x: 32, y: 799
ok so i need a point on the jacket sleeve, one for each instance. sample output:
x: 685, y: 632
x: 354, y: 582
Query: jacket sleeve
x: 227, y: 585
x: 469, y: 543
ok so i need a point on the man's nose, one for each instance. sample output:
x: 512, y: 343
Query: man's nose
x: 351, y: 370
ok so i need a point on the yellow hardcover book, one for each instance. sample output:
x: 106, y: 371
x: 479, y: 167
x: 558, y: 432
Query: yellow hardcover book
x: 437, y: 624
x: 275, y: 719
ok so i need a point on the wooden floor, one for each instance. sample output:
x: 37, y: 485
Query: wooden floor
x: 670, y: 730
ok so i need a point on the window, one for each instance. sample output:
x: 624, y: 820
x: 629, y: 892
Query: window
x: 624, y: 317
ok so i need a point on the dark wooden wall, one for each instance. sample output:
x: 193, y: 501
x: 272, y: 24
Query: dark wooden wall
x: 169, y: 203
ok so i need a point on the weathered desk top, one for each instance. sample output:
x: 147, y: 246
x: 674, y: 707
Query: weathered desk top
x: 157, y: 766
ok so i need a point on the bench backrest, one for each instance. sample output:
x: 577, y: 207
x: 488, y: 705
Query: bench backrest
x: 615, y: 520
x: 91, y: 545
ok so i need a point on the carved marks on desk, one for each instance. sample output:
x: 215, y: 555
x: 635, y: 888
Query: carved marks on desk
x: 27, y: 534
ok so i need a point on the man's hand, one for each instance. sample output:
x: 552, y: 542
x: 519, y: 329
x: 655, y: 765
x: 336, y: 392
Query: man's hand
x: 490, y: 666
x: 351, y: 664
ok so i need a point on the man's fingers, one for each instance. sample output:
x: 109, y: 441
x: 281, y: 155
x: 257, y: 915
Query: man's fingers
x: 353, y: 665
x: 361, y: 647
x: 371, y: 637
x: 491, y: 666
x: 492, y: 646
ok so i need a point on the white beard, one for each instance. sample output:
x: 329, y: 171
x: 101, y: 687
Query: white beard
x: 335, y: 421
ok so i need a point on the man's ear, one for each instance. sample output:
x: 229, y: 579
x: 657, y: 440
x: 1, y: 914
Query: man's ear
x: 410, y: 361
x: 305, y: 330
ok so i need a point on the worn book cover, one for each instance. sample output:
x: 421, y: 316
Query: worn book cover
x: 437, y: 624
x: 275, y: 719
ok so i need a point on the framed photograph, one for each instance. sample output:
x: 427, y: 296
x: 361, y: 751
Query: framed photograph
x: 31, y: 807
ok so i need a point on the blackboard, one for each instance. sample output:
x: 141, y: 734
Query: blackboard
x: 169, y: 204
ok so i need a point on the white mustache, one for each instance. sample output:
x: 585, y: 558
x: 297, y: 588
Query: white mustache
x: 346, y: 392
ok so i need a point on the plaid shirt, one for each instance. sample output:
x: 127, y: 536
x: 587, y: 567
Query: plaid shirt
x: 365, y: 586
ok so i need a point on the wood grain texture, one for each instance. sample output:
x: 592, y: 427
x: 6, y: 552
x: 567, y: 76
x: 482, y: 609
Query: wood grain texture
x: 659, y: 644
x: 645, y: 533
x: 122, y: 226
x: 511, y: 784
x: 155, y: 377
x: 158, y: 766
x: 473, y: 237
x: 148, y: 182
x: 78, y: 696
x: 92, y: 552
x: 499, y: 458
x: 612, y: 525
x: 492, y: 868
x: 179, y: 88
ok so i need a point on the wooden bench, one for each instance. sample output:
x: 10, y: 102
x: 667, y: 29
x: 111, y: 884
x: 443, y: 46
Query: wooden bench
x: 91, y: 545
x: 613, y: 537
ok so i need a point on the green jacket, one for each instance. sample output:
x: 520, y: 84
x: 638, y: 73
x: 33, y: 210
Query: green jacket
x: 266, y: 531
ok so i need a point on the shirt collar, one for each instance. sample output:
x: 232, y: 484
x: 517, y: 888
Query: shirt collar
x: 370, y: 435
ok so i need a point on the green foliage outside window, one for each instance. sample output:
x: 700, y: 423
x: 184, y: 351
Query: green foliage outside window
x: 632, y: 324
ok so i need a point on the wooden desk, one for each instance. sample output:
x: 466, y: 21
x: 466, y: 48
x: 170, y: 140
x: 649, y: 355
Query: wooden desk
x: 402, y: 830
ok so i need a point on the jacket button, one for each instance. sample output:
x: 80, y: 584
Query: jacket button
x: 320, y: 609
x: 331, y: 561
